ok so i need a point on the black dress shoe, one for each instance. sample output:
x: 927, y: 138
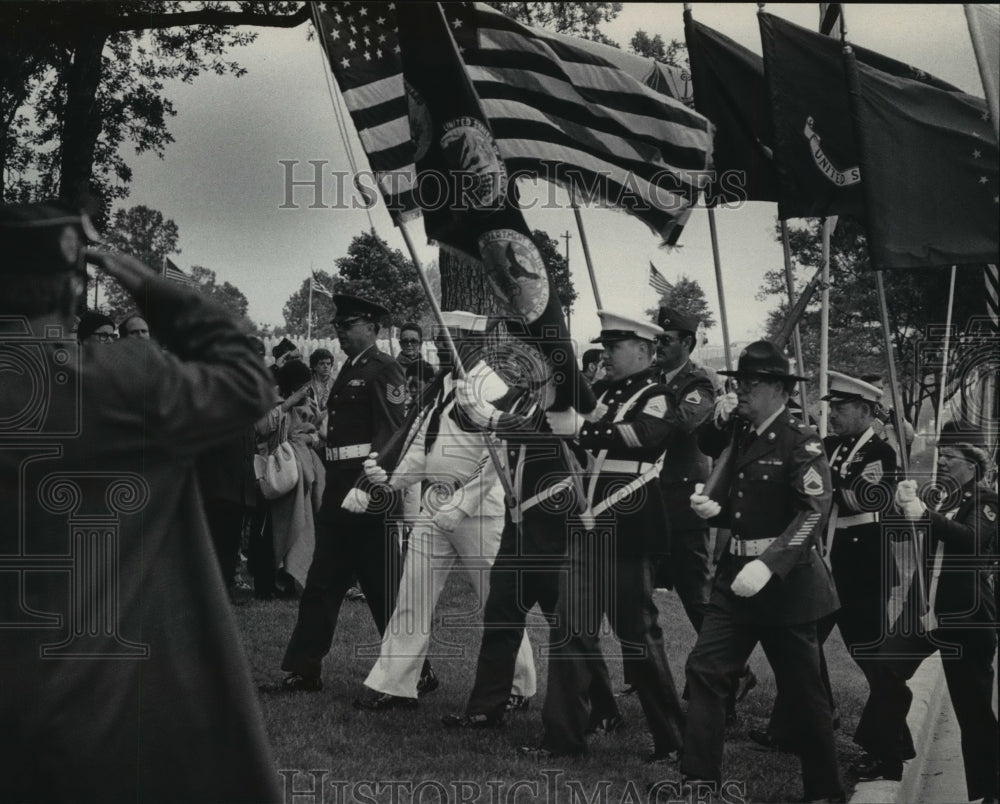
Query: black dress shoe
x: 472, y: 721
x: 515, y: 703
x: 297, y: 683
x: 428, y: 682
x: 767, y: 740
x: 628, y: 689
x: 870, y: 769
x: 607, y: 725
x: 383, y: 701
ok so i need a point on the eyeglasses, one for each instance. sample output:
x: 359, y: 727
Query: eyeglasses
x: 409, y: 342
x: 743, y: 384
x: 106, y: 337
x: 347, y: 323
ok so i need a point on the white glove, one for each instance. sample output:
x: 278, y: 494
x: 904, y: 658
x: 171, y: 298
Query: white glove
x: 374, y: 472
x: 597, y: 413
x: 564, y: 422
x: 724, y: 406
x: 703, y: 506
x: 356, y: 501
x: 907, y: 500
x: 482, y: 413
x: 751, y: 579
x: 449, y: 519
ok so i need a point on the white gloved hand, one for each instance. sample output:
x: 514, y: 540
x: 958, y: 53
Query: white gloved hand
x: 374, y: 472
x: 597, y: 413
x: 704, y: 507
x: 907, y: 500
x: 565, y: 423
x: 751, y: 579
x: 449, y: 519
x: 724, y: 406
x: 356, y: 501
x: 482, y: 413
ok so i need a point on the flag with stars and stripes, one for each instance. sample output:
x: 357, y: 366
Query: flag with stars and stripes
x: 318, y: 287
x: 992, y: 277
x: 930, y: 165
x: 560, y: 111
x: 175, y: 274
x: 658, y: 282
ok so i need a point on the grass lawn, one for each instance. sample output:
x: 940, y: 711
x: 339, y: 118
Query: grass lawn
x: 360, y: 756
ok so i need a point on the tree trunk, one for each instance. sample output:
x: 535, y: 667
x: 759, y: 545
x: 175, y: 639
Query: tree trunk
x: 83, y: 119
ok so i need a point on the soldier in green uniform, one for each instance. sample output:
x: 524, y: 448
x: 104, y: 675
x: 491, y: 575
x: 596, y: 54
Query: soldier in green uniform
x: 771, y: 585
x: 366, y: 406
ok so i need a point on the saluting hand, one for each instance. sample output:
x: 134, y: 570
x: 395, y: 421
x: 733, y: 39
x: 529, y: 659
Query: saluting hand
x: 751, y: 579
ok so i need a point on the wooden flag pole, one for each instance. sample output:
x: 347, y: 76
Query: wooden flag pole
x: 900, y: 431
x: 460, y: 372
x: 796, y: 333
x: 722, y: 294
x: 586, y: 248
x: 309, y: 319
x: 824, y: 328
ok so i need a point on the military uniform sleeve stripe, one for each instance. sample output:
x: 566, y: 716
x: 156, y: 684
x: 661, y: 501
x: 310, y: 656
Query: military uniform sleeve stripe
x: 805, y: 529
x: 628, y: 435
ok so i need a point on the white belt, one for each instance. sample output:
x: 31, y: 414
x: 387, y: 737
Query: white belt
x: 626, y: 467
x: 857, y: 519
x: 348, y: 452
x: 546, y: 493
x: 753, y: 547
x: 652, y: 472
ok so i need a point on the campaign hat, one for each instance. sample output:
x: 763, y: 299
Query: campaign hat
x: 765, y: 360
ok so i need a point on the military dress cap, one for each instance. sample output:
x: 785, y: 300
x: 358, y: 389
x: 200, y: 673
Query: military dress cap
x: 671, y: 320
x: 845, y: 389
x: 763, y: 359
x: 616, y: 327
x: 43, y: 238
x: 355, y: 307
x: 464, y: 320
x: 282, y: 347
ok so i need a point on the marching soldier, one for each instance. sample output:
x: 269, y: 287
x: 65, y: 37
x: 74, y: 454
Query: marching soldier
x: 461, y: 517
x: 959, y: 566
x: 771, y: 585
x: 690, y: 402
x: 626, y: 446
x: 365, y: 407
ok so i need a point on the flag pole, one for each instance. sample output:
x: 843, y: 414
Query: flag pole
x: 718, y: 284
x: 824, y: 327
x: 309, y: 319
x: 797, y: 332
x: 900, y: 434
x: 586, y: 247
x: 460, y: 371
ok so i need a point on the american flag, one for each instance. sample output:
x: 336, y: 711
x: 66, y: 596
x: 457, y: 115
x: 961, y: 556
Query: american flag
x: 657, y: 281
x: 175, y: 274
x: 558, y: 111
x: 316, y: 286
x: 992, y: 292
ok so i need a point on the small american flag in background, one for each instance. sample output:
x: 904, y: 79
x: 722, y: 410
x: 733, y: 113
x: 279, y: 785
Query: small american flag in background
x: 175, y: 274
x: 657, y: 281
x: 318, y: 287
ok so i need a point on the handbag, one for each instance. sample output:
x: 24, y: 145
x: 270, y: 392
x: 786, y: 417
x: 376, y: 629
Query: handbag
x: 277, y: 472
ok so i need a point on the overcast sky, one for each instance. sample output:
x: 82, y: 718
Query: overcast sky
x: 222, y: 181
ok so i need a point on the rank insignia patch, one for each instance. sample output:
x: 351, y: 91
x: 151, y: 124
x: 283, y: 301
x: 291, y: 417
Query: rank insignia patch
x: 657, y: 406
x: 872, y: 472
x: 812, y: 483
x: 694, y: 398
x: 395, y: 394
x: 813, y: 447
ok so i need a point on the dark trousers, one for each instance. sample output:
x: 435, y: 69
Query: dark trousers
x: 602, y: 579
x: 969, y: 675
x: 521, y: 577
x: 347, y: 545
x: 722, y: 650
x: 225, y: 522
x: 691, y: 572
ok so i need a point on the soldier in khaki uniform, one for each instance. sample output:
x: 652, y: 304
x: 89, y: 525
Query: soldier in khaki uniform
x: 771, y: 585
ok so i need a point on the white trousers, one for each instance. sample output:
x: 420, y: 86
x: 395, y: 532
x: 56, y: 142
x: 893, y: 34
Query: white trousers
x: 431, y: 556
